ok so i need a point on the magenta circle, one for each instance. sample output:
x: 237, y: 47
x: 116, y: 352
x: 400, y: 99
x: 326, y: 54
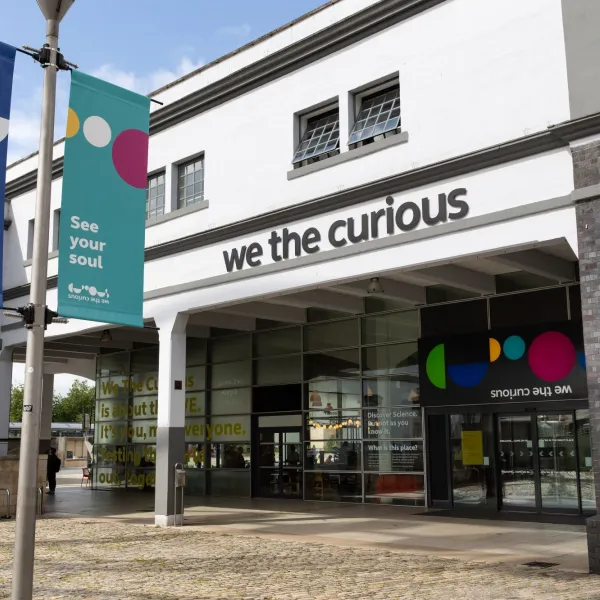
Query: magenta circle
x: 551, y: 356
x: 130, y: 157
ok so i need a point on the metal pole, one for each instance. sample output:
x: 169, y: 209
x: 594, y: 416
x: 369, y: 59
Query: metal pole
x: 22, y: 586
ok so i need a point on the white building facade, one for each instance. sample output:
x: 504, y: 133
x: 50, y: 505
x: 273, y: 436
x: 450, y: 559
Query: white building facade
x: 326, y: 207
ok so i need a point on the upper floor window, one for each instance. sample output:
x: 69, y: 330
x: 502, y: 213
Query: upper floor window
x: 56, y: 229
x: 191, y: 183
x: 378, y: 117
x: 321, y: 138
x: 155, y: 196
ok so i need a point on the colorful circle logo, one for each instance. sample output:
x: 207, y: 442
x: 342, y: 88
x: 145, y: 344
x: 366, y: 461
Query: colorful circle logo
x: 129, y: 148
x: 551, y: 357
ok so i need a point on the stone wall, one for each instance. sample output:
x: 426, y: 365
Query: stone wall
x: 9, y: 479
x: 586, y: 164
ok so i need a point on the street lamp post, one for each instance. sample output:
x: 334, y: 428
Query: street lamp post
x: 22, y: 585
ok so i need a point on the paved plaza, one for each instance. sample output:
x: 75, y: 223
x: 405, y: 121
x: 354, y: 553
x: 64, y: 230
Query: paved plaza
x: 101, y: 560
x: 103, y: 545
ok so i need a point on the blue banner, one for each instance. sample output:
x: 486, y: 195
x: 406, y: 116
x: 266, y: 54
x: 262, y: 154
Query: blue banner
x: 103, y: 207
x: 7, y: 67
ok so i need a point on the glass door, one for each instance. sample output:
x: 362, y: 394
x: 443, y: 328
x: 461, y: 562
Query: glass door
x: 280, y: 463
x: 517, y: 462
x: 538, y: 461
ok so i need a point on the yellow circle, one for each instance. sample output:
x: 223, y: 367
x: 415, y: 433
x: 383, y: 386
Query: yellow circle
x: 495, y: 349
x: 72, y: 123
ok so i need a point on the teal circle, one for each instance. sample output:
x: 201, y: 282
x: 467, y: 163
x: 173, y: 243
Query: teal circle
x: 514, y: 347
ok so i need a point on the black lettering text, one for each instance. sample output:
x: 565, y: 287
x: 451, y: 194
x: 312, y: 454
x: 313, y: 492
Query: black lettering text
x: 236, y: 259
x: 273, y: 241
x: 416, y: 216
x: 364, y: 230
x: 288, y: 238
x: 311, y: 236
x: 254, y: 251
x: 332, y: 230
x: 463, y: 207
x: 442, y: 213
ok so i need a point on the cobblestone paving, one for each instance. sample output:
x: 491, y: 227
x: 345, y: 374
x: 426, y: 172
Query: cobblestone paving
x: 101, y: 560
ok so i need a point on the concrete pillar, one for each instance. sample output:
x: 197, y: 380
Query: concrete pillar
x: 170, y: 445
x: 5, y: 385
x: 46, y: 423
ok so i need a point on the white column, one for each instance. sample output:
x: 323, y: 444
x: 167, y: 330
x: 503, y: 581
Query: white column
x: 46, y: 423
x: 170, y: 445
x: 5, y: 385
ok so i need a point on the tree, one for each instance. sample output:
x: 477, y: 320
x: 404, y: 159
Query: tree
x: 16, y: 403
x: 80, y: 400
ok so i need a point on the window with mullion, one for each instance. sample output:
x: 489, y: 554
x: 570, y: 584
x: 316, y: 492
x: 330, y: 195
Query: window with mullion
x: 322, y: 136
x: 155, y: 196
x: 379, y: 114
x: 190, y: 183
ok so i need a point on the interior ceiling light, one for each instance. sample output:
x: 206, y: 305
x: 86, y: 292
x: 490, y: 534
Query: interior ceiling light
x: 106, y: 336
x: 374, y: 286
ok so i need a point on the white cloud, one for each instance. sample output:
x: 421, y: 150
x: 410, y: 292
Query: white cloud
x: 144, y: 84
x: 235, y: 30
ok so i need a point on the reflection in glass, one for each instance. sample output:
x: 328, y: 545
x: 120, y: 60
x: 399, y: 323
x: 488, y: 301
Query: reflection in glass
x: 334, y: 487
x: 287, y: 369
x: 471, y: 441
x: 224, y: 482
x: 332, y: 454
x: 558, y: 463
x: 406, y: 490
x: 279, y: 341
x: 230, y: 456
x: 230, y: 348
x: 337, y: 334
x: 144, y: 360
x: 195, y: 353
x: 397, y: 359
x: 196, y: 483
x: 517, y: 476
x: 391, y: 392
x: 231, y: 402
x: 392, y: 327
x: 332, y: 364
x: 333, y: 394
x: 194, y: 456
x: 586, y: 474
x: 235, y: 374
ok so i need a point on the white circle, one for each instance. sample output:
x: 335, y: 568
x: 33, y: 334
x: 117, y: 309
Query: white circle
x: 97, y: 131
x: 93, y: 291
x: 3, y: 128
x: 30, y: 370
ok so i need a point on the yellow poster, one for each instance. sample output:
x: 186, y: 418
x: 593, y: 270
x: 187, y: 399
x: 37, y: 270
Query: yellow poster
x: 472, y: 448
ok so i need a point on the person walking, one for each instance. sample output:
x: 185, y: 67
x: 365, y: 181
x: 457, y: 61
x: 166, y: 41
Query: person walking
x: 53, y: 468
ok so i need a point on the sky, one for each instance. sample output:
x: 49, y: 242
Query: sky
x: 138, y: 44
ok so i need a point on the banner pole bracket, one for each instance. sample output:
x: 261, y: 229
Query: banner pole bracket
x: 43, y: 55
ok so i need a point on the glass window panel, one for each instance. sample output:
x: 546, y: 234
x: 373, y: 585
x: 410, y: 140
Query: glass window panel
x: 407, y: 490
x: 333, y: 425
x: 333, y: 487
x: 231, y: 402
x: 230, y: 456
x: 142, y: 384
x: 195, y: 378
x: 107, y: 477
x: 195, y: 404
x: 195, y: 456
x: 330, y: 394
x: 194, y: 429
x: 144, y: 407
x: 111, y: 456
x: 397, y: 359
x: 338, y: 334
x: 460, y: 317
x: 586, y: 474
x: 224, y: 482
x: 331, y: 364
x: 394, y: 327
x: 279, y: 341
x: 112, y: 387
x: 287, y: 369
x: 111, y: 433
x: 322, y: 314
x: 317, y: 131
x: 399, y: 456
x: 229, y: 429
x: 396, y: 423
x: 228, y: 349
x: 371, y: 121
x: 112, y: 409
x: 195, y: 351
x: 196, y: 483
x: 143, y: 431
x: 235, y: 374
x: 113, y: 364
x: 332, y: 454
x: 144, y: 360
x: 391, y: 392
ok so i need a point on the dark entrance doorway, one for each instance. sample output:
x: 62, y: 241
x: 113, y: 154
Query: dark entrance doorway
x: 279, y: 469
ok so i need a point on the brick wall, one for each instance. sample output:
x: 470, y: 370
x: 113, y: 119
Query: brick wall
x: 9, y: 479
x: 586, y: 164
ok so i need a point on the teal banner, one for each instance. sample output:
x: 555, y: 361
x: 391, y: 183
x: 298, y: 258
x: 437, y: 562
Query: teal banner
x: 103, y: 209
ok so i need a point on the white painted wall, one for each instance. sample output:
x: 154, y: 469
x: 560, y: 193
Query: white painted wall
x: 472, y: 74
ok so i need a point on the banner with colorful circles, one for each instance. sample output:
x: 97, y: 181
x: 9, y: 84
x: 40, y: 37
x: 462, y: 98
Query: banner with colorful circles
x: 7, y: 67
x: 103, y: 210
x: 531, y: 364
